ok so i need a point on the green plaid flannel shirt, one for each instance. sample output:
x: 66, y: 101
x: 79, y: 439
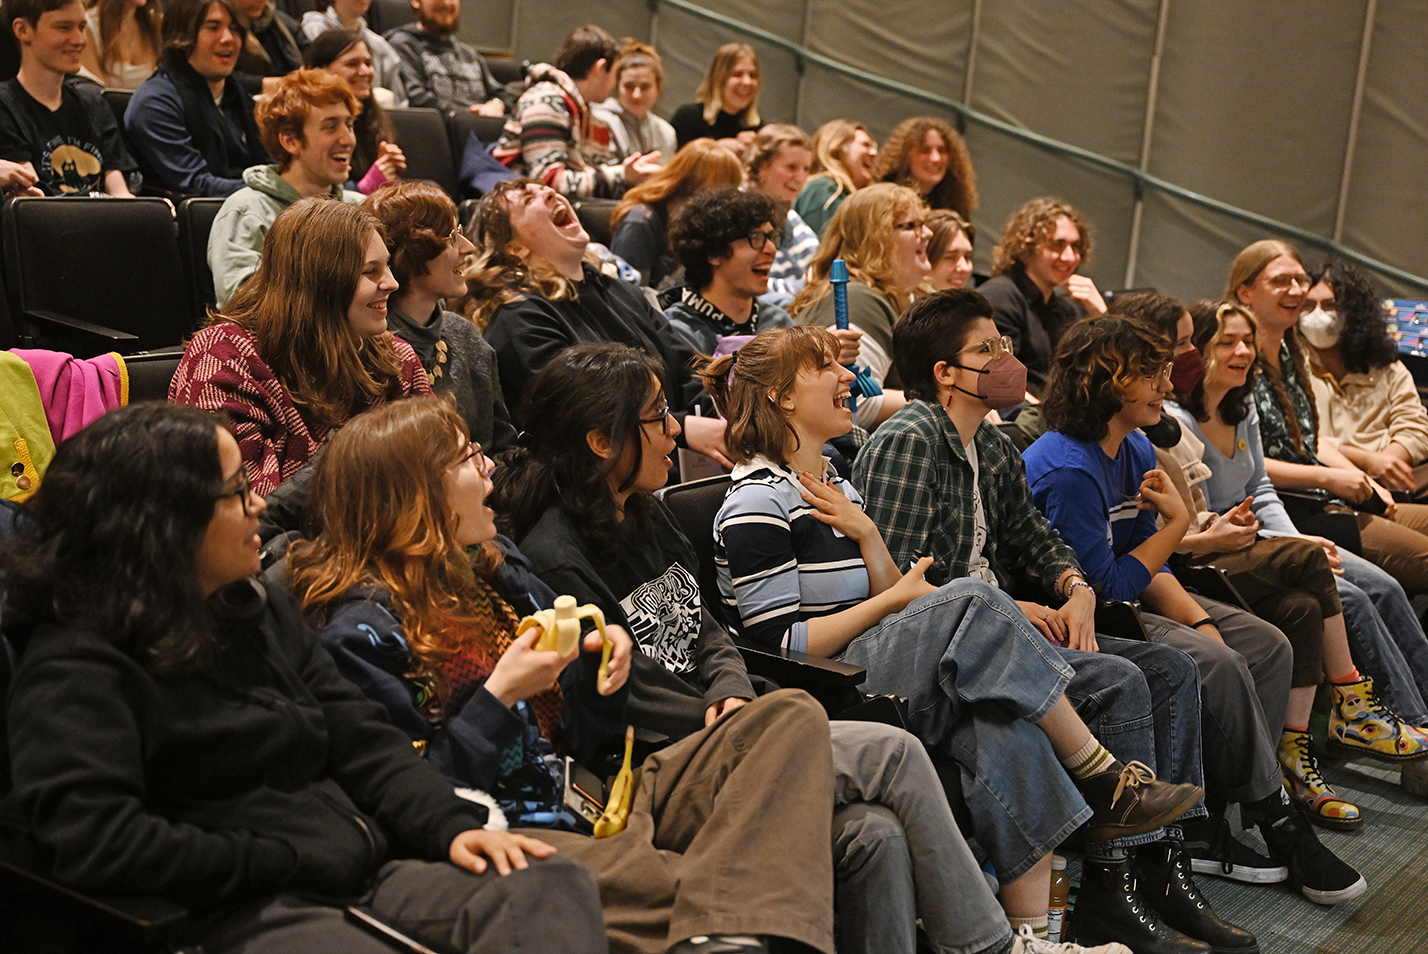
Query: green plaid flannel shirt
x: 916, y: 484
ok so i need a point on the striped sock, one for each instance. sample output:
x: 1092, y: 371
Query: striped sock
x: 1038, y: 925
x: 1091, y: 759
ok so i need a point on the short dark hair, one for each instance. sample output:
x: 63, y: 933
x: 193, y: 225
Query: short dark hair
x: 182, y: 19
x: 934, y: 329
x: 31, y: 10
x: 583, y: 48
x: 710, y: 224
x: 113, y: 532
x: 1095, y: 361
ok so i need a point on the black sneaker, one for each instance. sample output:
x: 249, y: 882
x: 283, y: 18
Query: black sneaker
x: 1214, y: 850
x: 1315, y: 870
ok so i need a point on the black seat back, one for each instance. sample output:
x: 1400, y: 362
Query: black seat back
x: 112, y: 262
x: 118, y: 100
x: 462, y: 125
x: 150, y: 374
x: 694, y: 506
x: 423, y: 137
x: 195, y: 221
x: 595, y: 217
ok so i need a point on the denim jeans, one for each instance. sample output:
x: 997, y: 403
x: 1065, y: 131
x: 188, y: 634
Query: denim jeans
x: 1385, y: 638
x: 898, y: 854
x: 976, y: 677
x: 1142, y: 701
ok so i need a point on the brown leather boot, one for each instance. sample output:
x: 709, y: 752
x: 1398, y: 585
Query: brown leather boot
x: 1130, y: 800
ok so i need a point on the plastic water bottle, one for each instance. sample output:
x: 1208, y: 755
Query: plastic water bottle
x: 1060, y: 892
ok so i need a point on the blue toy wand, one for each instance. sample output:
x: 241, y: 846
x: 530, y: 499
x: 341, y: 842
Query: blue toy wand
x: 864, y: 383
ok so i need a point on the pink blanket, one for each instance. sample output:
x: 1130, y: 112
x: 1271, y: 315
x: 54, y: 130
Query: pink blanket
x: 76, y: 392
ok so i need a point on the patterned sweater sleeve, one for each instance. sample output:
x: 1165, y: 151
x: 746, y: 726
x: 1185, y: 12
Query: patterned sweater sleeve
x: 550, y: 152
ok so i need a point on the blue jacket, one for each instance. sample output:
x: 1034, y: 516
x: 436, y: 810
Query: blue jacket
x: 186, y: 143
x: 486, y: 743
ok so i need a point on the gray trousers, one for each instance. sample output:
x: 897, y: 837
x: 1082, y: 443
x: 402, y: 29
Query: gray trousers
x: 898, y: 853
x: 1244, y: 693
x: 550, y: 906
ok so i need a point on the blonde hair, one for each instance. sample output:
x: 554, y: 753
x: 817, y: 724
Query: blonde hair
x: 771, y: 140
x: 636, y: 54
x: 830, y: 144
x: 861, y: 233
x: 711, y: 88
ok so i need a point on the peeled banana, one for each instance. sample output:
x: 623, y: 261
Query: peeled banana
x: 617, y: 806
x: 561, y: 632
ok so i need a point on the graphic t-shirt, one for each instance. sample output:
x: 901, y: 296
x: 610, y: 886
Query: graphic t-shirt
x: 71, y: 147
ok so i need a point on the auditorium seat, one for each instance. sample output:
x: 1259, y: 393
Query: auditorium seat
x: 195, y: 221
x: 90, y: 275
x: 423, y: 137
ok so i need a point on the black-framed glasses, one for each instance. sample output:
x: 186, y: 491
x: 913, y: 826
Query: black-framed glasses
x: 663, y: 419
x: 913, y: 226
x: 474, y: 452
x: 758, y: 238
x: 243, y: 491
x: 994, y: 346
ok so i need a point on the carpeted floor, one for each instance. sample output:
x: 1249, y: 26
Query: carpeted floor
x: 1390, y: 850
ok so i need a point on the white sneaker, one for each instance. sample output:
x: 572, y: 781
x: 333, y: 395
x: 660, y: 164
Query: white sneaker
x: 1025, y: 941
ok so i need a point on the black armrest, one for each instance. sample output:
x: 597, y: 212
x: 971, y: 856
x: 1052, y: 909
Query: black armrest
x: 44, y: 317
x: 832, y: 683
x: 1210, y: 582
x: 24, y: 873
x: 1120, y: 619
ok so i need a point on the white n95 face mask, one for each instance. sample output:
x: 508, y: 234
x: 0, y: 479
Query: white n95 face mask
x: 1321, y: 328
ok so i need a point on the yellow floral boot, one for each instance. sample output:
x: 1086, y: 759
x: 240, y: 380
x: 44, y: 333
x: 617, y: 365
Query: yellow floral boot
x: 1361, y: 724
x: 1310, y: 792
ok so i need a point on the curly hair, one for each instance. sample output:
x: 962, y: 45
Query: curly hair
x: 1210, y: 318
x: 379, y: 514
x: 588, y: 387
x: 371, y: 126
x: 957, y: 190
x: 711, y: 223
x: 417, y: 217
x: 701, y: 164
x: 1096, y: 362
x: 861, y: 233
x: 710, y: 92
x: 295, y: 307
x: 769, y: 142
x: 285, y: 109
x: 495, y: 275
x: 742, y: 383
x: 934, y: 329
x: 1365, y: 344
x: 1160, y: 312
x: 113, y: 534
x: 830, y: 158
x: 1034, y: 224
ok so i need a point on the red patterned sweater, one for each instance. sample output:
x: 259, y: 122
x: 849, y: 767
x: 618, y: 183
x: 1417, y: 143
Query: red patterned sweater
x: 222, y: 370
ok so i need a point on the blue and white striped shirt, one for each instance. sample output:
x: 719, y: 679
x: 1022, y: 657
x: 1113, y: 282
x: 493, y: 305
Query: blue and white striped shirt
x: 779, y: 565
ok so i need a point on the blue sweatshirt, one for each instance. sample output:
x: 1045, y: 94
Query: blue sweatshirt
x: 1091, y: 501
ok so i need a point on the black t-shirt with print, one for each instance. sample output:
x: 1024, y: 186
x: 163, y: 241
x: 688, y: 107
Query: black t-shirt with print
x: 72, y: 147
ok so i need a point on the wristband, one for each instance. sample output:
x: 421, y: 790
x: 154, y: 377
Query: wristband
x: 1208, y: 620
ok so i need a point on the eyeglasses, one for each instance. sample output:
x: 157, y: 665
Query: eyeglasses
x: 915, y: 225
x: 1284, y: 282
x: 662, y: 420
x: 243, y: 491
x: 993, y: 346
x: 473, y: 451
x: 454, y: 239
x: 757, y: 239
x: 1163, y: 375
